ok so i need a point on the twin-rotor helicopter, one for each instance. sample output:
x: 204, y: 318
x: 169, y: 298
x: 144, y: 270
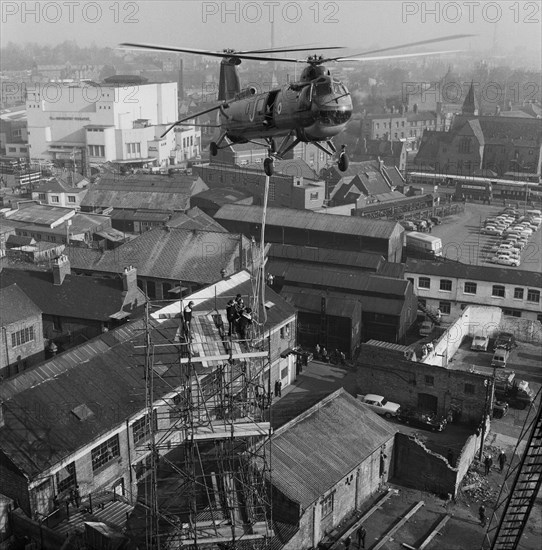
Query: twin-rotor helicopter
x: 313, y: 109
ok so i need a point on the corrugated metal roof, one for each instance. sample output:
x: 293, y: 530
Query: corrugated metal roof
x: 168, y: 253
x: 316, y: 450
x: 309, y: 254
x: 312, y: 221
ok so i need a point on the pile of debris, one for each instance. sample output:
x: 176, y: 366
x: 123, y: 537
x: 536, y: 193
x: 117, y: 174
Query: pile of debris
x: 478, y: 488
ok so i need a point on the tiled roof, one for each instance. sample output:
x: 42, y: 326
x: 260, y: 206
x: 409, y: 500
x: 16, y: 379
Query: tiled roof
x: 15, y: 305
x: 81, y: 297
x: 168, y: 253
x: 140, y: 191
x: 307, y: 220
x: 459, y: 270
x: 316, y: 450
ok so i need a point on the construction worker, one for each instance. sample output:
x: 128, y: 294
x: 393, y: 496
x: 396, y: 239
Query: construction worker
x: 187, y: 314
x: 231, y: 315
x: 360, y: 536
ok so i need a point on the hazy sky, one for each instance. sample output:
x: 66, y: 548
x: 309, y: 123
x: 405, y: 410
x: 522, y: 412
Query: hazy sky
x: 358, y: 24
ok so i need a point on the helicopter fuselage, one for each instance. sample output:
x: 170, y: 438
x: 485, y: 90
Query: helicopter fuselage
x: 316, y: 110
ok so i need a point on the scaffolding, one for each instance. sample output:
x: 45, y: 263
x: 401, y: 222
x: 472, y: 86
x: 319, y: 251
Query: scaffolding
x: 207, y: 481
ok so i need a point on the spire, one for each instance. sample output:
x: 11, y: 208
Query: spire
x: 470, y: 105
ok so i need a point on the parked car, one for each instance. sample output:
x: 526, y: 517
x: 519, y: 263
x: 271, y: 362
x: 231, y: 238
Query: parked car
x: 422, y: 419
x: 505, y: 340
x: 426, y: 328
x: 408, y: 225
x: 503, y: 259
x: 436, y: 220
x: 500, y: 358
x: 479, y: 343
x: 491, y: 230
x: 380, y: 405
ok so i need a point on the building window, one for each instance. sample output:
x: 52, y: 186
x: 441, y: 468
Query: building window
x: 96, y: 150
x: 446, y: 284
x: 54, y: 198
x: 71, y: 198
x: 424, y: 282
x: 140, y: 427
x: 133, y: 148
x: 445, y: 307
x: 470, y: 288
x: 104, y: 453
x: 65, y: 478
x: 327, y: 505
x: 497, y: 291
x: 511, y: 312
x: 411, y: 279
x: 42, y: 196
x: 518, y: 293
x: 313, y: 196
x: 22, y: 337
x: 285, y: 331
x: 469, y: 388
x: 429, y: 380
x: 57, y: 323
x: 533, y: 295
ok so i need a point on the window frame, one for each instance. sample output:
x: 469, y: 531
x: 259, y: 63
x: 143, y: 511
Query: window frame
x: 533, y: 292
x: 465, y: 291
x: 500, y: 288
x: 445, y: 281
x: 108, y: 450
x: 424, y: 279
x: 519, y: 290
x: 327, y: 505
x: 445, y: 307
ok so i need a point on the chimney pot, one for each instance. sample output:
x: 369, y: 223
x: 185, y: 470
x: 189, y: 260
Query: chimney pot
x: 61, y: 268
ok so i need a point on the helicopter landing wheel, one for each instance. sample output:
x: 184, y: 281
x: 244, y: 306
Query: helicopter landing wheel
x: 213, y: 148
x: 343, y: 162
x: 269, y: 166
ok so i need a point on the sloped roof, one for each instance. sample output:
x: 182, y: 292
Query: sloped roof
x: 140, y: 191
x: 167, y: 253
x: 316, y: 450
x: 16, y: 305
x: 474, y: 272
x: 221, y: 195
x: 313, y: 221
x: 339, y: 304
x: 37, y: 437
x: 81, y: 297
x: 195, y: 219
x: 307, y: 254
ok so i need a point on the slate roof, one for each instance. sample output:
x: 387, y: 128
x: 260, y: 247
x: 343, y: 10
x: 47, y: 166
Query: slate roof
x: 307, y: 220
x: 339, y: 304
x: 16, y: 305
x: 38, y: 214
x: 40, y: 428
x: 458, y: 270
x: 140, y: 191
x: 195, y: 219
x: 316, y: 450
x: 167, y: 253
x: 221, y: 195
x: 80, y: 297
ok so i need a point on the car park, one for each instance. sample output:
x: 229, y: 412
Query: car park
x: 422, y: 419
x: 479, y: 343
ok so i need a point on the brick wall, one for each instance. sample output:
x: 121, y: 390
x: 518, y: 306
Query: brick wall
x: 387, y: 373
x: 13, y: 484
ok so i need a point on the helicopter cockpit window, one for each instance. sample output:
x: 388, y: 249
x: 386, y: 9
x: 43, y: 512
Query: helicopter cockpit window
x: 338, y: 88
x: 323, y: 88
x: 334, y: 117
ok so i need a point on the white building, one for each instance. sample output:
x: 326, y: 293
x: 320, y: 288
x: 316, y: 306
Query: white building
x: 452, y: 286
x: 94, y: 123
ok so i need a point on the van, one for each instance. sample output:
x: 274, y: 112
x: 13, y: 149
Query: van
x: 534, y: 213
x: 500, y: 358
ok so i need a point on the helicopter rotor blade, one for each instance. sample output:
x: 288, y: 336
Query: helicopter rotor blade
x: 398, y: 56
x: 193, y: 115
x: 409, y: 45
x: 293, y: 49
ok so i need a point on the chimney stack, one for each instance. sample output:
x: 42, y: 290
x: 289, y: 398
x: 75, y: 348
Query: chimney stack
x: 61, y: 268
x: 129, y: 278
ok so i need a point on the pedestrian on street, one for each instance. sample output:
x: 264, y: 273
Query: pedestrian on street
x: 482, y: 515
x: 488, y: 462
x: 502, y: 460
x: 347, y: 542
x: 77, y: 496
x: 279, y: 386
x: 450, y: 457
x: 277, y: 390
x: 360, y: 537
